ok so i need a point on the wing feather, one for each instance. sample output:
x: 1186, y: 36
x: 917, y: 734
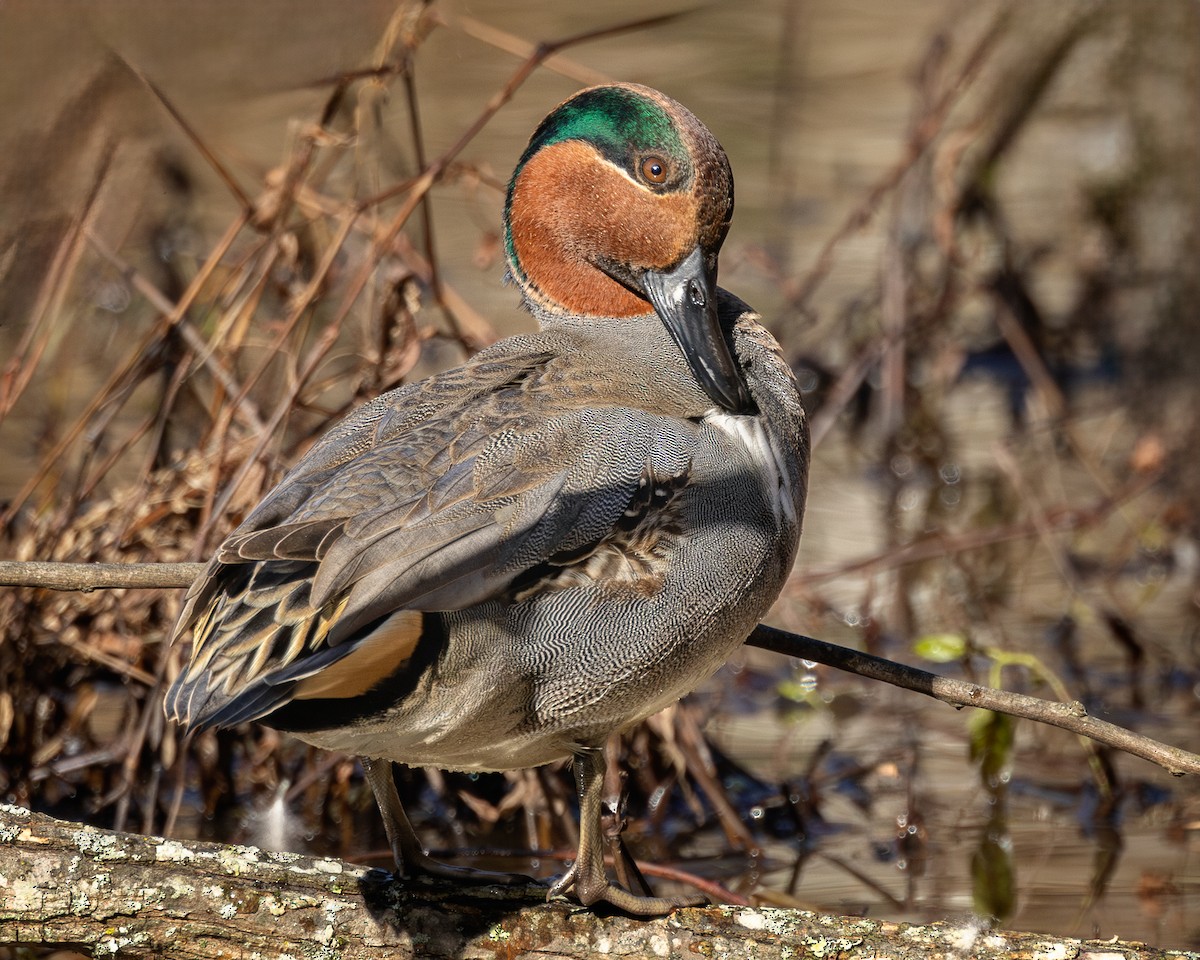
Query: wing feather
x: 319, y: 593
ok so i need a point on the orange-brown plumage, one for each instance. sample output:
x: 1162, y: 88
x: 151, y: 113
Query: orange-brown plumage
x: 570, y: 207
x: 379, y: 655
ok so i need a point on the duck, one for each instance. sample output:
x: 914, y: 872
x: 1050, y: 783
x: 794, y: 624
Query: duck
x: 501, y: 565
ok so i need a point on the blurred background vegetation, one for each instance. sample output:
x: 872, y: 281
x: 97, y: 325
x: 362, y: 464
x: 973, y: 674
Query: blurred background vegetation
x: 973, y: 225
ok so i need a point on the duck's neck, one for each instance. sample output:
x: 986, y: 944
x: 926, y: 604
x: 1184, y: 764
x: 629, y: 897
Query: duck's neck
x: 642, y: 327
x: 630, y: 361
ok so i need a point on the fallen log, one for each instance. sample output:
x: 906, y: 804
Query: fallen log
x: 117, y: 894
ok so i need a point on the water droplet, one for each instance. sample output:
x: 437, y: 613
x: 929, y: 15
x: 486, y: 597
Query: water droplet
x: 807, y: 379
x: 656, y: 798
x: 113, y: 297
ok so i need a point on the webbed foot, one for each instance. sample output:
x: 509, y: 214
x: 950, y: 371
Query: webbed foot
x: 594, y: 887
x: 586, y: 877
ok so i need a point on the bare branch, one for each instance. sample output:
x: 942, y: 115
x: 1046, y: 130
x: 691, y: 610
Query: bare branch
x: 96, y: 576
x: 191, y: 133
x: 1068, y: 716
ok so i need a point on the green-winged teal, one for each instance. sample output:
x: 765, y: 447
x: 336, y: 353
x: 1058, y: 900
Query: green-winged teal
x: 501, y: 565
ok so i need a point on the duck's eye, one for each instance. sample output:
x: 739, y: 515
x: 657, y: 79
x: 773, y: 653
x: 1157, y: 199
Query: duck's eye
x: 654, y: 170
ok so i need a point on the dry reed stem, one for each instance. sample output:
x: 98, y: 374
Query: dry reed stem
x: 523, y: 49
x: 925, y: 132
x: 19, y: 370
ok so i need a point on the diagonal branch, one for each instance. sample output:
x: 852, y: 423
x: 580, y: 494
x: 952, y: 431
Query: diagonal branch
x: 960, y: 693
x: 213, y: 160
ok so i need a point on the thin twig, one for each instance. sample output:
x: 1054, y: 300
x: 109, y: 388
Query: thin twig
x: 519, y: 47
x: 226, y: 176
x: 923, y: 135
x: 418, y: 141
x: 1069, y: 716
x: 844, y: 389
x: 161, y: 302
x: 96, y: 576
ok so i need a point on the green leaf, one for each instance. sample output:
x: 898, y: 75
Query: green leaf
x: 941, y: 647
x: 796, y: 691
x: 992, y: 737
x: 993, y: 883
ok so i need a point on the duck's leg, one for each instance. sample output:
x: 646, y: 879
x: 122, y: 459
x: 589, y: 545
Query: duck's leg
x: 410, y: 856
x: 587, y: 876
x: 612, y: 825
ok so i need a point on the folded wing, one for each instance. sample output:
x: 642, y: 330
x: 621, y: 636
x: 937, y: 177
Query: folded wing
x: 406, y: 510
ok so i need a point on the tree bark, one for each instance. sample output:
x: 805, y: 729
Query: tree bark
x: 128, y: 895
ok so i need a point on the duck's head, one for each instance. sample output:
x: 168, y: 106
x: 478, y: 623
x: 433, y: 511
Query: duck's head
x: 617, y: 208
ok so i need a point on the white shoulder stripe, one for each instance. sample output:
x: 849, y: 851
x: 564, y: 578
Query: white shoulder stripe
x: 751, y: 434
